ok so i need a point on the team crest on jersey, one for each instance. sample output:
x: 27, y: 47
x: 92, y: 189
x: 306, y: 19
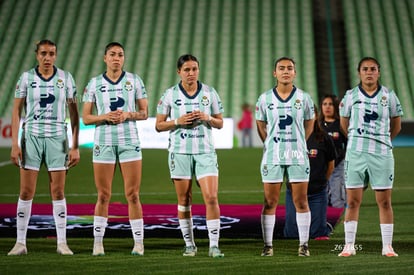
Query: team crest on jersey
x: 60, y: 84
x: 384, y: 101
x: 128, y: 86
x: 298, y: 104
x: 97, y: 150
x: 265, y: 171
x: 205, y: 101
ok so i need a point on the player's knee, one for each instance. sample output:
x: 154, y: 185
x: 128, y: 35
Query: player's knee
x: 353, y: 204
x: 104, y: 198
x: 386, y: 204
x: 211, y: 199
x: 26, y: 195
x: 132, y: 198
x: 301, y: 206
x: 270, y: 203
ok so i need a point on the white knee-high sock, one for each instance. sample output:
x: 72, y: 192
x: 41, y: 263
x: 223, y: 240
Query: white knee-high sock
x: 268, y: 225
x: 213, y: 227
x: 59, y: 215
x: 99, y: 226
x: 387, y: 232
x: 303, y: 221
x: 186, y: 226
x: 24, y: 211
x: 350, y: 228
x: 137, y: 227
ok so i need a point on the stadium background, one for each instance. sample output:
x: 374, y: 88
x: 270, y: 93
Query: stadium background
x: 236, y: 42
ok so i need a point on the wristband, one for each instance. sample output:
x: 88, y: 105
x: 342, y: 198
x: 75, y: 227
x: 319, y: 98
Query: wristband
x: 210, y: 118
x: 176, y: 121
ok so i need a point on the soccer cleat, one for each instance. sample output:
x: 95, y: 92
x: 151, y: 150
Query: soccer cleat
x: 138, y: 249
x: 267, y: 251
x: 303, y: 250
x: 18, y: 249
x: 98, y: 250
x: 63, y: 249
x: 348, y: 250
x: 190, y: 251
x: 215, y: 252
x: 388, y: 251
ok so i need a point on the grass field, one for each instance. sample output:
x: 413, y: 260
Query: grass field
x: 239, y: 184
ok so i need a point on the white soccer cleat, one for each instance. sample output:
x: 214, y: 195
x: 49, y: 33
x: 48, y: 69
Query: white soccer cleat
x: 18, y: 249
x: 63, y: 249
x: 138, y: 249
x: 349, y: 250
x: 303, y: 250
x: 190, y: 251
x: 267, y: 251
x: 215, y: 252
x: 388, y: 251
x: 98, y: 250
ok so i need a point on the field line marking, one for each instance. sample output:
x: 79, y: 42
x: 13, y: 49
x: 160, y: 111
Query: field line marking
x: 4, y: 163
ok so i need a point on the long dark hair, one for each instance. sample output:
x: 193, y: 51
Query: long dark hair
x: 335, y: 102
x: 318, y: 132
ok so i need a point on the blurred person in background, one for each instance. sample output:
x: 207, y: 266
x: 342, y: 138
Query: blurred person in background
x: 330, y: 123
x: 245, y: 125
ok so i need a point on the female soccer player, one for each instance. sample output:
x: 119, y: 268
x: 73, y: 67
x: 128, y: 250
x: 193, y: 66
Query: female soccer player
x: 120, y: 99
x: 371, y: 118
x: 194, y: 109
x: 285, y: 118
x: 45, y: 93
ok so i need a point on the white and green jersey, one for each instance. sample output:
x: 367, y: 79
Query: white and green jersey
x: 285, y: 143
x: 197, y: 138
x: 369, y: 119
x: 45, y: 104
x: 110, y: 96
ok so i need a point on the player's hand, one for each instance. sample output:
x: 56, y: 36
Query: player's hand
x: 74, y: 157
x: 114, y: 117
x: 15, y: 155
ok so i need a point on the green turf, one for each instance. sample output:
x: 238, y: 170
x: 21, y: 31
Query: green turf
x: 239, y: 184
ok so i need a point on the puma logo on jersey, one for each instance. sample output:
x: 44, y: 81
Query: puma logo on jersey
x: 177, y: 102
x: 46, y: 99
x: 285, y: 121
x: 370, y: 116
x: 116, y: 103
